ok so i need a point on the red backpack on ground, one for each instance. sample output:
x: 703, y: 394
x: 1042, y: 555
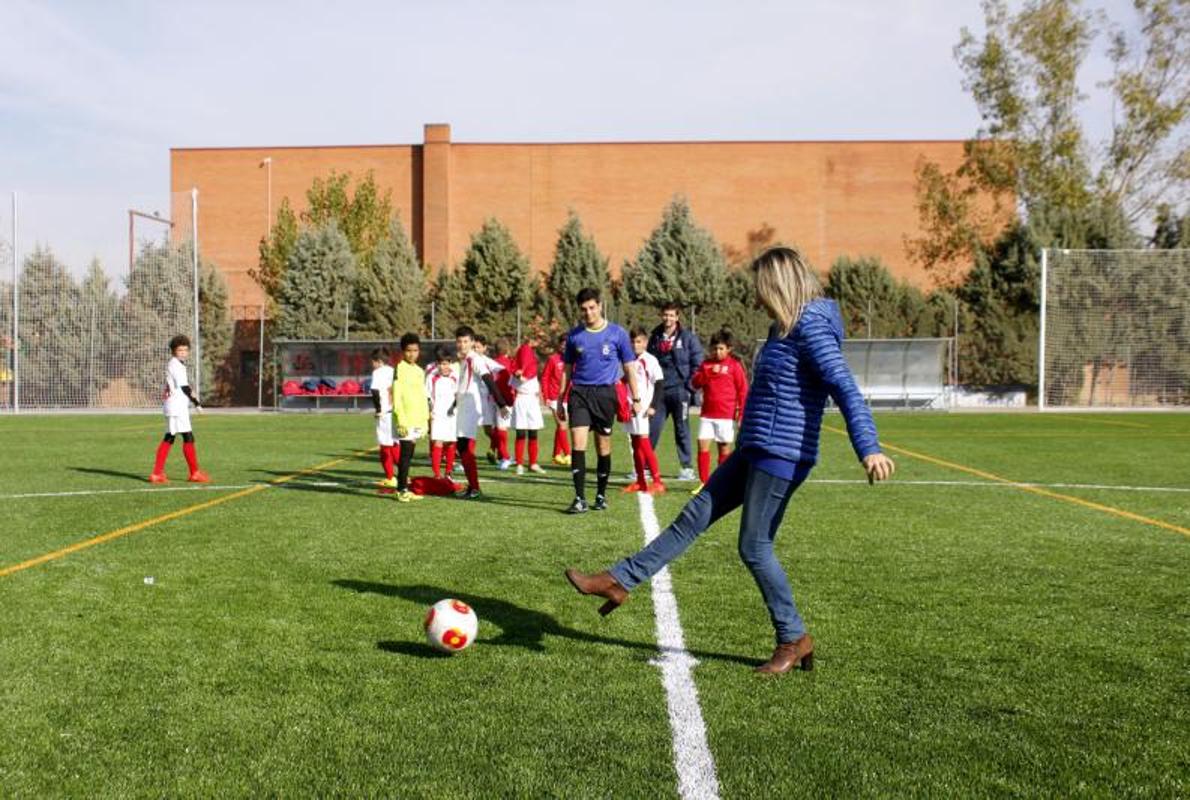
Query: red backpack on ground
x: 433, y: 487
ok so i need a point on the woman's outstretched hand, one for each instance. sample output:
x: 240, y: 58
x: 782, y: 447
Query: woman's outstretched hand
x: 879, y: 467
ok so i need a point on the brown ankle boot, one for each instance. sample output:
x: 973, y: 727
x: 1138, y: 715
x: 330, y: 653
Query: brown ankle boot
x: 601, y: 584
x: 789, y: 655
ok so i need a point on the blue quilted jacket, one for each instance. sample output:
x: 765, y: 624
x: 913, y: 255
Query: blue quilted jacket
x: 791, y: 379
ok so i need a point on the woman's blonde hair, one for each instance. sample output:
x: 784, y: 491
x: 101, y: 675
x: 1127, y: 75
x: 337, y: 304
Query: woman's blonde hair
x: 785, y: 283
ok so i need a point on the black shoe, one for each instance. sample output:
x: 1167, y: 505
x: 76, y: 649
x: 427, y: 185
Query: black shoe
x: 469, y: 494
x: 492, y: 457
x: 600, y: 503
x: 579, y: 506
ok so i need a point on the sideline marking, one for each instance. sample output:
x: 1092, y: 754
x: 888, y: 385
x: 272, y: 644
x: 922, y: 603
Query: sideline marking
x: 182, y: 512
x: 1024, y: 487
x: 692, y: 755
x: 90, y: 492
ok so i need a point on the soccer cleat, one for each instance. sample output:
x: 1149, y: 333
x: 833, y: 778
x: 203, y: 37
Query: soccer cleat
x: 697, y: 489
x: 579, y: 506
x: 565, y: 460
x: 520, y: 469
x: 469, y: 494
x: 386, y: 490
x: 407, y: 497
x: 540, y: 470
x: 198, y: 476
x: 388, y: 483
x: 635, y: 486
x: 504, y: 464
x: 458, y: 467
x: 658, y: 488
x: 560, y: 460
x: 158, y: 477
x: 492, y: 459
x: 687, y: 474
x: 600, y: 503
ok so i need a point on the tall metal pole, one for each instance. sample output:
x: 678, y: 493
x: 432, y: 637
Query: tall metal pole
x: 16, y: 317
x: 194, y: 254
x: 1041, y: 334
x: 260, y: 365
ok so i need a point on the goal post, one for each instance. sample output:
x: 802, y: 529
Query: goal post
x: 1114, y: 329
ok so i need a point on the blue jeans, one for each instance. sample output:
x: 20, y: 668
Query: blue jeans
x: 764, y: 498
x: 676, y: 404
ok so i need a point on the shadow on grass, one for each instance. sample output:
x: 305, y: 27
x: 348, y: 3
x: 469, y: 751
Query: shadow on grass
x: 519, y: 626
x: 112, y: 473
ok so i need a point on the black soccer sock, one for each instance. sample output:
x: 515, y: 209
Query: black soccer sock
x: 603, y: 472
x: 406, y: 459
x: 578, y: 471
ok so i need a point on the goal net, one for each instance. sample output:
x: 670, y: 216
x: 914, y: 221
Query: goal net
x: 1115, y: 329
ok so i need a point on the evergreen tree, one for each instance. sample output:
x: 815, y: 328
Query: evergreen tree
x: 1172, y: 231
x: 52, y: 332
x: 491, y: 283
x: 317, y: 285
x: 390, y: 289
x: 874, y: 303
x: 679, y: 262
x: 214, y: 324
x: 102, y: 320
x: 158, y: 305
x: 577, y: 264
x: 364, y: 215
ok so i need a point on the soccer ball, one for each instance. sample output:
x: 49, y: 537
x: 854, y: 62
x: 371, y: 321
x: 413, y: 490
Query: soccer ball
x: 451, y: 625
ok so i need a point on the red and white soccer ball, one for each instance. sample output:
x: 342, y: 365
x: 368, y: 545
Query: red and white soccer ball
x: 451, y: 625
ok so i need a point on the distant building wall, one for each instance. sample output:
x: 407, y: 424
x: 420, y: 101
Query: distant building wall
x: 830, y: 198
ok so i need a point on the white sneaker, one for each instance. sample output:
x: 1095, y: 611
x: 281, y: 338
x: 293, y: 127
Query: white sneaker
x: 686, y: 474
x: 520, y: 469
x: 504, y: 465
x: 540, y: 470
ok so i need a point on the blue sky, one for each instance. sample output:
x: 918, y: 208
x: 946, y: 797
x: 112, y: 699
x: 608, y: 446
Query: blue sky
x: 93, y: 94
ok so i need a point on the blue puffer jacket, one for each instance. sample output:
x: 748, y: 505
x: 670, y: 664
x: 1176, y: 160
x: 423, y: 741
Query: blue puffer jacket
x: 790, y: 383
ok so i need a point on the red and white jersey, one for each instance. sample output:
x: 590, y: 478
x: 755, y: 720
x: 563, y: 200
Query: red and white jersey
x: 442, y: 390
x: 647, y: 370
x: 382, y: 381
x: 551, y: 377
x: 724, y: 388
x: 176, y: 401
x: 472, y: 370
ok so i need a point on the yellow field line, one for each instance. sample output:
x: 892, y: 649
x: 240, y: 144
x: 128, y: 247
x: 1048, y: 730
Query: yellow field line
x: 148, y: 523
x: 1116, y: 422
x: 1078, y: 501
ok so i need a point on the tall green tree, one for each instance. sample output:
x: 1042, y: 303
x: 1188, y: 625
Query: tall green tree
x: 577, y: 264
x: 1172, y: 231
x: 53, y: 370
x: 492, y: 282
x: 363, y: 213
x: 103, y: 322
x: 158, y: 305
x: 874, y: 303
x: 215, y: 327
x: 390, y: 289
x: 316, y: 288
x: 679, y: 262
x: 275, y: 250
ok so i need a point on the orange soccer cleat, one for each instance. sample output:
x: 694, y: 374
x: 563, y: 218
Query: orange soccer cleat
x: 158, y: 477
x: 634, y: 487
x: 658, y: 488
x: 198, y: 476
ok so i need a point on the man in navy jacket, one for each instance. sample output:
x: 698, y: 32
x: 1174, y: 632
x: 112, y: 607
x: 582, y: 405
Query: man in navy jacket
x: 680, y: 353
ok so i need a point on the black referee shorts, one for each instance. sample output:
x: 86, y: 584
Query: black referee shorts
x: 593, y: 407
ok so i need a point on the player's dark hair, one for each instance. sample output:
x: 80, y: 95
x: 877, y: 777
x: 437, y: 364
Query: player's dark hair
x: 480, y: 339
x: 589, y: 293
x: 638, y: 330
x: 410, y: 338
x: 181, y: 340
x: 503, y: 346
x: 722, y: 336
x: 562, y: 340
x: 380, y: 354
x: 443, y: 353
x: 465, y: 330
x: 671, y: 306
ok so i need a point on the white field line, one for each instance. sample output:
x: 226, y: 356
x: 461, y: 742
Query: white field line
x: 526, y: 479
x: 692, y: 755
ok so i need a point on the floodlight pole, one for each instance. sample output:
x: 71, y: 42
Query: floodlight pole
x: 1041, y: 334
x: 132, y: 215
x: 194, y: 261
x: 16, y: 317
x: 260, y: 365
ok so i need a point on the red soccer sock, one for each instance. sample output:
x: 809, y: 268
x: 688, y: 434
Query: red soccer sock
x: 649, y: 455
x: 162, y: 454
x: 520, y: 451
x: 533, y: 451
x: 436, y: 458
x: 470, y: 467
x: 724, y: 453
x: 451, y: 450
x: 638, y: 459
x: 559, y: 441
x: 388, y: 454
x: 704, y: 465
x: 502, y: 444
x: 191, y: 456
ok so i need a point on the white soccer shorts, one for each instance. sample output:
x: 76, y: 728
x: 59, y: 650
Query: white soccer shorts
x: 637, y: 426
x: 469, y: 418
x: 444, y: 429
x: 526, y: 413
x: 721, y: 430
x: 413, y: 434
x: 178, y: 423
x: 384, y: 430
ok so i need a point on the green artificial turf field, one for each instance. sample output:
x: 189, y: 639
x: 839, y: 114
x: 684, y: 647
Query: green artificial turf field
x: 974, y: 638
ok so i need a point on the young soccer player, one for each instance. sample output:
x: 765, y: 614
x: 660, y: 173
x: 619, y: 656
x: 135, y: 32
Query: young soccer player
x: 551, y: 383
x: 411, y: 412
x: 475, y: 370
x: 650, y: 380
x: 382, y: 402
x: 442, y: 387
x: 178, y: 399
x: 480, y: 345
x: 502, y: 415
x: 724, y: 388
x: 526, y: 409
